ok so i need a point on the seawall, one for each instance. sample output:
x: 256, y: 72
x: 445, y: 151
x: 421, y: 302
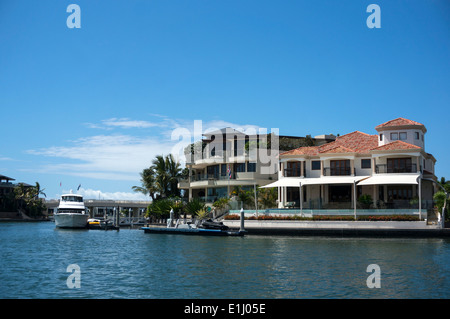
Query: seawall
x: 341, y: 228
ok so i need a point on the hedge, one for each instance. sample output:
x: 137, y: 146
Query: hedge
x: 328, y: 218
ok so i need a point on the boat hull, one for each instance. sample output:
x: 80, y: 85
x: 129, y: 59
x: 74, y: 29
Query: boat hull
x: 192, y: 231
x: 71, y: 220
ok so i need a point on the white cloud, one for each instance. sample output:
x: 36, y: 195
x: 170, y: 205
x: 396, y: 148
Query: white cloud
x: 98, y: 194
x: 123, y: 156
x: 126, y: 123
x: 114, y: 157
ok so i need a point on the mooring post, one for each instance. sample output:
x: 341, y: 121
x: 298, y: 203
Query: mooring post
x: 242, y: 220
x: 170, y: 222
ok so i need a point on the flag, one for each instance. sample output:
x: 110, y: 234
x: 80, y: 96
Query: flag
x: 229, y: 172
x: 78, y: 187
x: 60, y: 184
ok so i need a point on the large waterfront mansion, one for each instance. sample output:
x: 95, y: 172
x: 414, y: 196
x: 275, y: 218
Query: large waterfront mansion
x: 390, y: 169
x: 227, y: 158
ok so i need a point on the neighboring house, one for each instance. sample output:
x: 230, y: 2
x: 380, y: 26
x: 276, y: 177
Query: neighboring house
x: 7, y: 186
x: 227, y: 158
x: 7, y: 196
x: 392, y: 167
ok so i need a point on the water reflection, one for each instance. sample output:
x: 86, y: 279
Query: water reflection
x: 131, y: 264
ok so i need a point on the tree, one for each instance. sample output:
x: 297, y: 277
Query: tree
x: 247, y: 197
x: 160, y: 180
x: 148, y: 183
x: 267, y: 197
x: 194, y: 206
x: 167, y: 171
x: 28, y: 199
x: 440, y: 197
x: 440, y: 200
x: 38, y: 190
x: 445, y: 184
x: 160, y: 208
x: 222, y: 203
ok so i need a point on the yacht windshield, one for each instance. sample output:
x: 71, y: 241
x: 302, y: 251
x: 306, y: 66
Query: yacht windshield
x: 72, y: 198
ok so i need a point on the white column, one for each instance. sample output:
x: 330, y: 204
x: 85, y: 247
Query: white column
x: 301, y: 198
x: 354, y: 198
x: 420, y: 197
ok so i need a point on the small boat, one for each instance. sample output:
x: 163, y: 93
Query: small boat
x: 100, y: 223
x: 204, y: 227
x: 71, y: 212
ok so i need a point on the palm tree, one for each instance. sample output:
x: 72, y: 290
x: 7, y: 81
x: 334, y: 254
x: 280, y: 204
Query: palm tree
x: 267, y: 197
x: 148, y: 183
x: 38, y: 190
x: 446, y: 184
x: 20, y: 192
x: 29, y: 195
x: 160, y: 178
x: 174, y: 173
x: 246, y: 197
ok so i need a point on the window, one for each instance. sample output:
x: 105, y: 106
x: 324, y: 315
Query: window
x: 223, y: 170
x: 315, y: 165
x: 340, y: 167
x: 251, y: 167
x: 400, y: 165
x: 394, y: 136
x: 339, y: 193
x: 366, y: 163
x: 293, y: 169
x: 402, y: 136
x: 399, y: 192
x: 213, y: 171
x: 239, y: 167
x: 417, y: 135
x: 381, y: 137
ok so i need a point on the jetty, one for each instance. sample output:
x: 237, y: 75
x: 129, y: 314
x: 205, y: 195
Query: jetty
x: 342, y: 228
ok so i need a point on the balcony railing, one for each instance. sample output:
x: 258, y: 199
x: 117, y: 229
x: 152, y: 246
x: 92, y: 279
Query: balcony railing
x: 293, y: 172
x: 205, y: 177
x: 338, y: 171
x: 384, y: 168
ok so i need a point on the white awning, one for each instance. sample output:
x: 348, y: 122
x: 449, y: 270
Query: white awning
x: 285, y: 182
x: 295, y: 182
x: 332, y: 180
x: 384, y: 179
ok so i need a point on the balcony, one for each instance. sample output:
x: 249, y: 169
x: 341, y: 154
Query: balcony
x: 384, y: 168
x: 293, y: 172
x: 338, y: 171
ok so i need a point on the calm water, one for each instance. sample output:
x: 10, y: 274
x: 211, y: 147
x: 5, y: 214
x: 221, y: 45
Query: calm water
x: 132, y: 264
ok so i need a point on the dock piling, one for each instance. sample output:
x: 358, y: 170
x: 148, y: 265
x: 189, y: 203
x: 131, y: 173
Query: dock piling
x: 242, y: 229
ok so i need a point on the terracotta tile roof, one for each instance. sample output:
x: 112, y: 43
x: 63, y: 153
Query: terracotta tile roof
x: 398, y: 122
x: 356, y: 142
x: 339, y: 149
x: 397, y: 145
x: 306, y: 150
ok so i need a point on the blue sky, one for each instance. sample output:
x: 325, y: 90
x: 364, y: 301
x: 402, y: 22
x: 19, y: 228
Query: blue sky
x: 94, y: 105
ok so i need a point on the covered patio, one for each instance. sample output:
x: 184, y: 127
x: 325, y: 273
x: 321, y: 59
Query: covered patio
x: 388, y: 194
